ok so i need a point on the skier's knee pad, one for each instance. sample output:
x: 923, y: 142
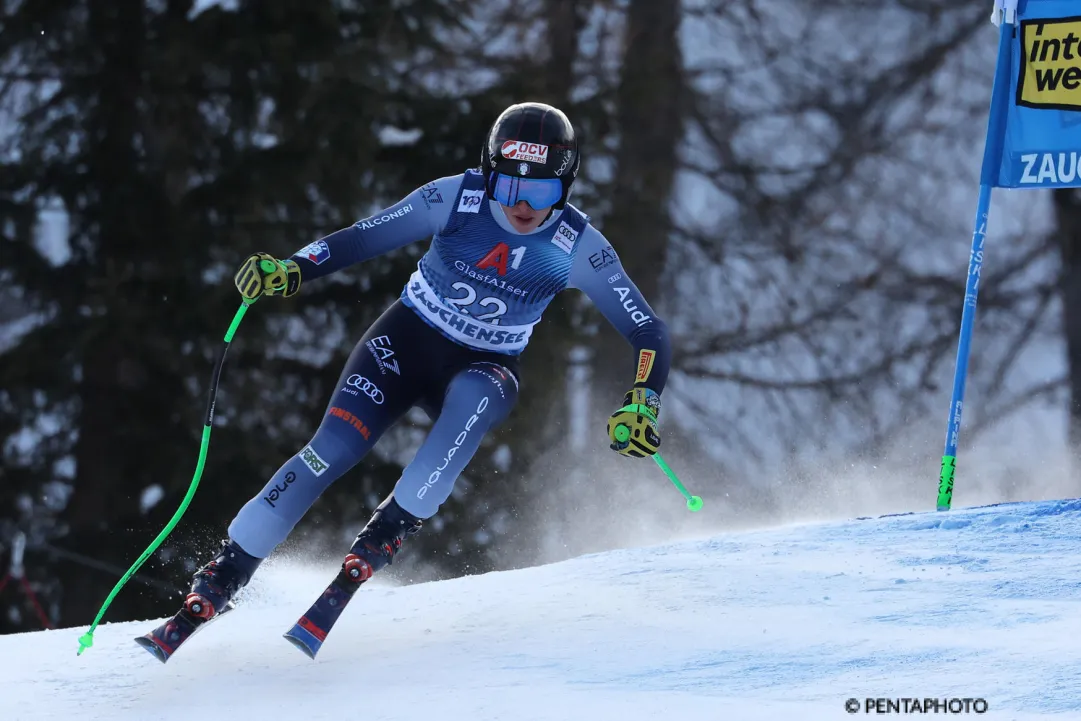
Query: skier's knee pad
x: 488, y: 383
x: 477, y: 400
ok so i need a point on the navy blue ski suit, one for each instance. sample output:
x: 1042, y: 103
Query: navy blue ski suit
x: 450, y: 344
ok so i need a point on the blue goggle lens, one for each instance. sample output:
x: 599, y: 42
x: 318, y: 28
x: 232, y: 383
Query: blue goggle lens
x: 538, y: 192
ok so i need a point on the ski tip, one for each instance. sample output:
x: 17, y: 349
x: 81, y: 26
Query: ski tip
x: 304, y: 641
x: 149, y: 644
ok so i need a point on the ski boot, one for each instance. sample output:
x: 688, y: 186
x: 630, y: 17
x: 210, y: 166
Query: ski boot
x: 214, y: 585
x: 373, y: 549
x: 212, y: 591
x: 376, y: 544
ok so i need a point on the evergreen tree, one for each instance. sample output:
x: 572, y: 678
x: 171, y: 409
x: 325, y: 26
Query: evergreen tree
x: 177, y: 141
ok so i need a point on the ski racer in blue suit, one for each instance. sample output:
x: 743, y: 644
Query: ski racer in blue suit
x: 504, y: 242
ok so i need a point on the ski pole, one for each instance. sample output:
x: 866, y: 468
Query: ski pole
x: 87, y: 639
x: 694, y: 503
x: 623, y: 434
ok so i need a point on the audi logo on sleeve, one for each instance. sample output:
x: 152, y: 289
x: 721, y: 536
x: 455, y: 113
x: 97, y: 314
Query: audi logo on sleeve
x: 364, y: 386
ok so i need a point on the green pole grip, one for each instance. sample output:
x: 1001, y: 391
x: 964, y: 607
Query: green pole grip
x: 622, y: 434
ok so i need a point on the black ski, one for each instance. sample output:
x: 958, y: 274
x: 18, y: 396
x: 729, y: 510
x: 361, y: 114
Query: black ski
x: 309, y: 633
x: 164, y: 640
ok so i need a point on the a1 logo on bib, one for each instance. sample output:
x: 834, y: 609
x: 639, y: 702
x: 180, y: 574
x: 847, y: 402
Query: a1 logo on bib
x: 470, y: 202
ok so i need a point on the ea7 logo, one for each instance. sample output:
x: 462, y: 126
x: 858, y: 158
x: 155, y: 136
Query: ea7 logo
x: 430, y: 194
x: 470, y: 202
x: 603, y: 258
x: 380, y: 349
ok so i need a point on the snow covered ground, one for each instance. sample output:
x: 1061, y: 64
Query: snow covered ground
x: 779, y: 624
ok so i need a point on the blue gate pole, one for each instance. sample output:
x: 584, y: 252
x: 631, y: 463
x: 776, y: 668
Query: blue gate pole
x: 992, y: 160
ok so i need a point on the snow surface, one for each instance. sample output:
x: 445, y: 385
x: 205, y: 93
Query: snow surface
x: 785, y: 623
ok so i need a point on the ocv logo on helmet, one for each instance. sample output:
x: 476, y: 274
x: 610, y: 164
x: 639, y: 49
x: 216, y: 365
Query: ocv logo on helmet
x: 521, y: 150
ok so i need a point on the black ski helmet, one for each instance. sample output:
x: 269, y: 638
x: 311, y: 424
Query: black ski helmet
x: 532, y: 140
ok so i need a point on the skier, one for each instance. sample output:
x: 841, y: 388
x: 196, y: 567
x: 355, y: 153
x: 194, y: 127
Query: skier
x: 504, y: 242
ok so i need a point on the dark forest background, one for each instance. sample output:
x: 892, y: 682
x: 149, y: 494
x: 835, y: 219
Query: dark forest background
x: 798, y: 209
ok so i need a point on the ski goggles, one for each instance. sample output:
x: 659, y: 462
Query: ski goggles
x: 540, y: 193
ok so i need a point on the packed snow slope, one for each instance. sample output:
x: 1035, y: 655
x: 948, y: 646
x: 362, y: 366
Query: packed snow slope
x: 780, y: 624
